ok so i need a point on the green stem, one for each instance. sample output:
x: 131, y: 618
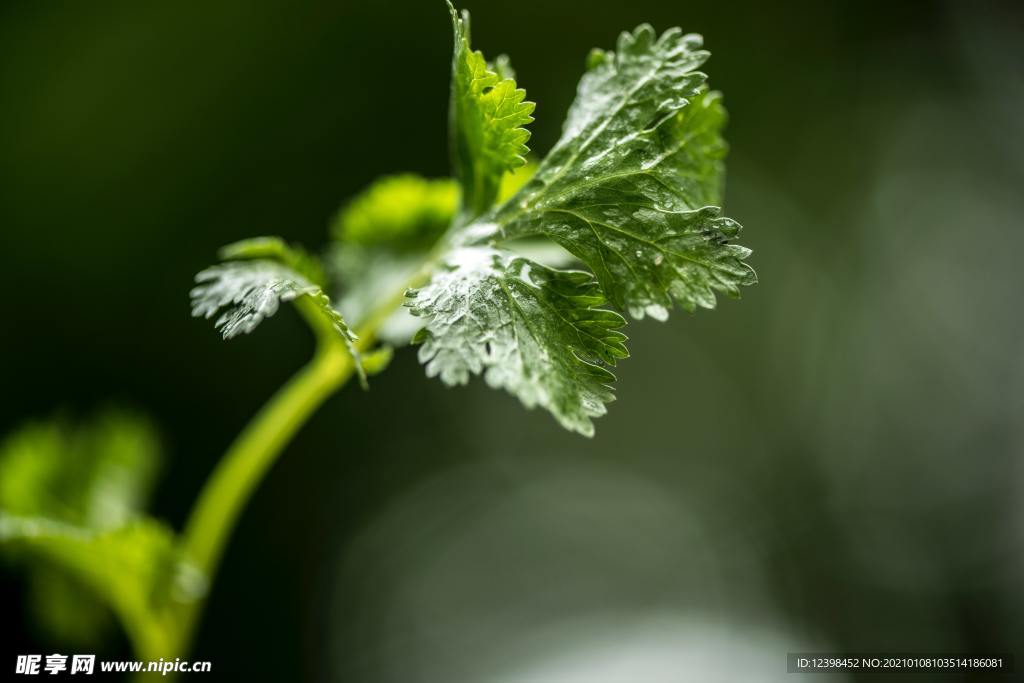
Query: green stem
x: 256, y: 448
x: 250, y: 456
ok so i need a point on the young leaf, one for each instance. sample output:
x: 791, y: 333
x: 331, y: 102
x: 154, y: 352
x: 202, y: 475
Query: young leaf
x: 402, y: 213
x: 381, y: 239
x: 247, y: 292
x: 630, y: 186
x: 487, y: 118
x: 533, y: 330
x: 383, y: 236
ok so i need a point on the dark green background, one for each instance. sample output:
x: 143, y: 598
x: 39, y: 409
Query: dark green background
x: 833, y: 462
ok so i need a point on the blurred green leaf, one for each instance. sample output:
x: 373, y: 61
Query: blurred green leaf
x: 71, y: 501
x: 400, y: 213
x: 97, y: 475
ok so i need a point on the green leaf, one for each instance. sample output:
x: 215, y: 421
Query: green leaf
x: 401, y: 213
x: 487, y: 118
x: 71, y: 501
x: 535, y: 331
x: 631, y: 185
x: 630, y: 189
x: 245, y: 293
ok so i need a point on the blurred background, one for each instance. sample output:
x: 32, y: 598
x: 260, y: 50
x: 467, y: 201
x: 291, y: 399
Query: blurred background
x: 833, y: 463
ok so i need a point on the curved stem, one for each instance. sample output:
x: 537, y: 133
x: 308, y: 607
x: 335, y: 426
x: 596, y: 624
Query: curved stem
x: 243, y: 466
